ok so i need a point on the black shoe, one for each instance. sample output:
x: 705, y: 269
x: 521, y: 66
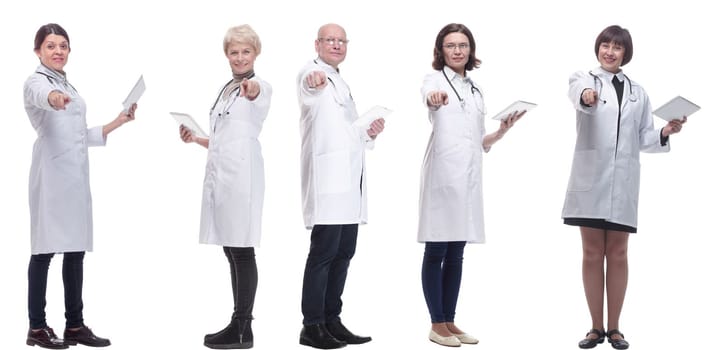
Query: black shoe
x: 84, y: 336
x: 317, y: 336
x: 591, y: 343
x: 247, y: 336
x: 339, y: 331
x: 617, y: 343
x: 231, y: 336
x: 45, y: 338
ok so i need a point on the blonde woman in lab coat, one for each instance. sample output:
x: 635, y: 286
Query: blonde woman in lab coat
x: 614, y: 124
x: 234, y: 184
x: 451, y: 195
x: 60, y: 198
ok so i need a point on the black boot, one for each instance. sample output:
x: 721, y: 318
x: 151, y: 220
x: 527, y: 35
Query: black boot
x: 231, y: 323
x: 317, y: 336
x: 339, y: 331
x: 227, y: 338
x: 247, y: 336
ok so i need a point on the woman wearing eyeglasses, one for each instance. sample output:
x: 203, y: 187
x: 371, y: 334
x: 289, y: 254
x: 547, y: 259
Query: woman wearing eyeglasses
x: 451, y: 195
x: 614, y: 123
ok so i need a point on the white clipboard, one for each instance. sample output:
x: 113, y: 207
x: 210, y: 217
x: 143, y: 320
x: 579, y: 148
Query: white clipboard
x: 189, y: 122
x: 676, y: 108
x: 374, y: 113
x: 519, y: 106
x: 135, y: 94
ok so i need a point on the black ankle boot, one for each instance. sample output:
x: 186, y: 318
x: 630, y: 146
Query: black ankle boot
x: 227, y: 338
x: 317, y: 336
x: 225, y: 329
x: 247, y: 336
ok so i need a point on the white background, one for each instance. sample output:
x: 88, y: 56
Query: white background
x: 149, y: 284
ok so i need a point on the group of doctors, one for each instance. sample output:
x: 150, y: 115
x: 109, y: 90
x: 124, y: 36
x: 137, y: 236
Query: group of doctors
x: 614, y: 124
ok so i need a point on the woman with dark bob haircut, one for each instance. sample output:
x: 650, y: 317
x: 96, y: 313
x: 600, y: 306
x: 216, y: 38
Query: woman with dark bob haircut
x: 451, y: 195
x: 60, y: 198
x: 614, y: 124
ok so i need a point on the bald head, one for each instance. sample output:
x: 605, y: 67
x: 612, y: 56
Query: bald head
x: 331, y: 44
x: 330, y: 27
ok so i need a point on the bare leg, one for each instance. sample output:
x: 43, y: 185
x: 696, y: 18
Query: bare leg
x: 594, y: 245
x: 453, y: 328
x: 616, y: 274
x: 441, y: 329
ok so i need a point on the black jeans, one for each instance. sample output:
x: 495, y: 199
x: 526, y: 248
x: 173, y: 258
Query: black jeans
x: 244, y: 279
x: 72, y: 285
x: 330, y: 251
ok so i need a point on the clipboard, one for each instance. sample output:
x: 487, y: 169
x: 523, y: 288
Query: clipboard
x: 135, y: 94
x: 519, y: 106
x: 371, y: 115
x: 189, y: 122
x: 676, y: 108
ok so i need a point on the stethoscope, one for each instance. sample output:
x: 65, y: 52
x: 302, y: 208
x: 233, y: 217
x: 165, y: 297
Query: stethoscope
x: 597, y: 80
x: 473, y: 89
x: 337, y: 98
x: 56, y: 81
x: 228, y: 103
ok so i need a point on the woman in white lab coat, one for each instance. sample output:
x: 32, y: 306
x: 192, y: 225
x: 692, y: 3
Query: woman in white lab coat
x: 59, y: 193
x: 233, y: 192
x: 451, y: 196
x: 614, y: 124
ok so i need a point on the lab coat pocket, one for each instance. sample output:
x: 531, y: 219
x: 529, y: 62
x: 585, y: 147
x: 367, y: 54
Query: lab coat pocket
x: 333, y: 172
x: 448, y: 164
x: 583, y: 171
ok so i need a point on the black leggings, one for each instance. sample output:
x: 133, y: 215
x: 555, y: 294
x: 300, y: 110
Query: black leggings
x: 244, y: 279
x: 72, y: 285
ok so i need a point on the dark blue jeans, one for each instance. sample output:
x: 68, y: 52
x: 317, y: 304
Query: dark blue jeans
x: 442, y: 270
x: 330, y: 251
x: 72, y: 285
x: 244, y: 279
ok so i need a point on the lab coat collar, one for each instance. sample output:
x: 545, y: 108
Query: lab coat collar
x: 43, y: 69
x: 606, y: 75
x: 327, y: 67
x: 452, y: 75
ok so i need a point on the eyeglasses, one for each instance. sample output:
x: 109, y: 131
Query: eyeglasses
x: 461, y: 46
x: 332, y: 41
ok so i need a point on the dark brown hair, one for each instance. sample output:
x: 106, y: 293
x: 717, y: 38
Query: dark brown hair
x: 45, y: 30
x: 619, y: 36
x: 438, y: 61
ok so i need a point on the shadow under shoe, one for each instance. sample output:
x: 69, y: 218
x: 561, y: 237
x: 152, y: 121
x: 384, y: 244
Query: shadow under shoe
x: 339, y: 331
x: 317, y: 336
x: 229, y: 337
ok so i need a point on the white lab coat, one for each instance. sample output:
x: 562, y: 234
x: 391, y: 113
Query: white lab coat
x: 451, y: 195
x: 233, y: 194
x: 334, y: 189
x: 61, y: 218
x: 604, y: 182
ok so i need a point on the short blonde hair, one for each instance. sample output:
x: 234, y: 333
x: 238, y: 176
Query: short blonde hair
x: 242, y: 34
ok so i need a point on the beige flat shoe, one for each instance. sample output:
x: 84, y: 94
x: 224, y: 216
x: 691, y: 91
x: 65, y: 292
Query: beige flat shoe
x: 466, y: 338
x: 444, y: 341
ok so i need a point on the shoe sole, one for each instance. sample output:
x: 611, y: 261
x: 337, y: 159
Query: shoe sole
x: 34, y: 343
x: 303, y: 341
x: 243, y: 345
x: 75, y: 342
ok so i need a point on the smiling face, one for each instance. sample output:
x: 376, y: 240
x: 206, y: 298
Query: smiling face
x: 53, y: 52
x: 241, y: 57
x: 456, y: 51
x: 331, y: 44
x: 610, y: 55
